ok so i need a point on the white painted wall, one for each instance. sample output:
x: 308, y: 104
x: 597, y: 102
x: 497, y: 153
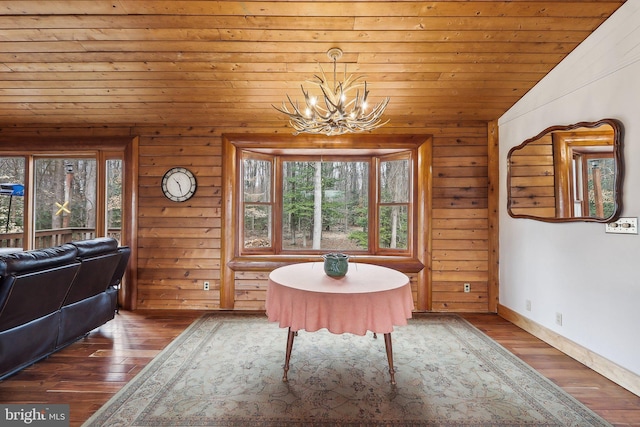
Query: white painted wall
x: 592, y: 278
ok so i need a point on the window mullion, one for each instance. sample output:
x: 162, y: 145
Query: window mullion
x: 29, y: 235
x: 374, y: 206
x: 276, y: 191
x: 101, y: 190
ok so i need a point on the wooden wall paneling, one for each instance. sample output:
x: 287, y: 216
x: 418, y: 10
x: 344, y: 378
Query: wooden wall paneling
x: 250, y: 290
x: 179, y: 242
x: 179, y: 245
x: 460, y: 214
x: 493, y: 199
x: 417, y: 288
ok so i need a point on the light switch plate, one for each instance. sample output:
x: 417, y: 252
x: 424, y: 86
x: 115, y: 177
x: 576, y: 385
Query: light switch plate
x: 623, y: 226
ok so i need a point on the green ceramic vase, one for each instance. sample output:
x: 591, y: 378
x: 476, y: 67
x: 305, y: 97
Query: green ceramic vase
x: 336, y: 264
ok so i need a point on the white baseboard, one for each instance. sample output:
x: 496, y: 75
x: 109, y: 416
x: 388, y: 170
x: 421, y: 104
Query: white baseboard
x: 604, y: 367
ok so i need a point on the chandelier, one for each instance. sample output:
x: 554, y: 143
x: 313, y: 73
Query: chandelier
x: 335, y: 114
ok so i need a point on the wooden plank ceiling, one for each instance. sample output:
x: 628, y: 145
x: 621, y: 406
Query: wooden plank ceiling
x: 225, y: 63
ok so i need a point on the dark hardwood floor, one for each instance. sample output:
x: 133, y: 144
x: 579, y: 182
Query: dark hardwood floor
x: 90, y: 371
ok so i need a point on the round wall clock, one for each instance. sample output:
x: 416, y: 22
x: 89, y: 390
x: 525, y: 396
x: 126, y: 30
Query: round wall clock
x: 179, y: 184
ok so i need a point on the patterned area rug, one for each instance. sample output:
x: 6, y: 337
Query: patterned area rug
x: 226, y: 370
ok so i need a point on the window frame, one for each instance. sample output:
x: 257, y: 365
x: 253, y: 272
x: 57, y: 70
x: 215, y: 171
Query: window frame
x: 271, y: 203
x: 103, y: 148
x: 374, y: 206
x: 412, y: 203
x: 30, y: 159
x: 232, y: 259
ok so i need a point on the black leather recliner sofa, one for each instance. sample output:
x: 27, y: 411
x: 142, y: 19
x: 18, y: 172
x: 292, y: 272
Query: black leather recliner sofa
x: 51, y: 297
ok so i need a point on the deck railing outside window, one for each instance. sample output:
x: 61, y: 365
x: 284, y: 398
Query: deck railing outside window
x: 55, y: 237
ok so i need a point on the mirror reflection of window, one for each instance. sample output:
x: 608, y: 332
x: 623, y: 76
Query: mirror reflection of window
x: 577, y: 185
x: 593, y: 185
x: 600, y: 185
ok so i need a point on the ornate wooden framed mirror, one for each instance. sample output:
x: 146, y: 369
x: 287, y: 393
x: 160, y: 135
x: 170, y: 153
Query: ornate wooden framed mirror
x: 568, y: 173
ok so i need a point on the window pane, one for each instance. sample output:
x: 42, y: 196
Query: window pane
x: 12, y: 201
x: 256, y: 194
x: 257, y: 226
x: 394, y: 228
x: 65, y: 200
x: 394, y: 181
x: 257, y: 180
x: 325, y: 205
x: 114, y: 199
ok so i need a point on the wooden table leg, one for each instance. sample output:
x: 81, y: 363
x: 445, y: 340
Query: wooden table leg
x: 387, y: 345
x: 290, y: 337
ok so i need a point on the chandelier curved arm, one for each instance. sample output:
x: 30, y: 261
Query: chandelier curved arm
x: 285, y: 110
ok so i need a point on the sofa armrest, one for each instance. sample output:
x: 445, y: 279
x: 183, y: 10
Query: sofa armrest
x: 122, y: 265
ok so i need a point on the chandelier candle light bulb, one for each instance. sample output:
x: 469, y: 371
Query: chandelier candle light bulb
x: 338, y: 115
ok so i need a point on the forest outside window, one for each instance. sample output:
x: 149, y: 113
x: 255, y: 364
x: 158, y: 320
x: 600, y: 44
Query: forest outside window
x: 74, y: 197
x: 307, y: 203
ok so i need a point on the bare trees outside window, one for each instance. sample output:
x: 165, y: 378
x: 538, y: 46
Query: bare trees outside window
x: 65, y: 193
x: 310, y: 204
x: 12, y: 170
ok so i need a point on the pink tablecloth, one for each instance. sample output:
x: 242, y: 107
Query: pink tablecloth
x: 369, y: 298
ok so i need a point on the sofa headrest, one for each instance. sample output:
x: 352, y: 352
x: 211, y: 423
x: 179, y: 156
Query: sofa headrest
x: 38, y: 259
x: 96, y: 246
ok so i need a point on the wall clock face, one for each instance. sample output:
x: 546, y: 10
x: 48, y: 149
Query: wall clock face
x: 179, y: 184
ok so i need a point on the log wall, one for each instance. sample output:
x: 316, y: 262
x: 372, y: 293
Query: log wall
x: 178, y: 244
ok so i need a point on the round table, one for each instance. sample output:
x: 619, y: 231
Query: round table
x: 369, y: 298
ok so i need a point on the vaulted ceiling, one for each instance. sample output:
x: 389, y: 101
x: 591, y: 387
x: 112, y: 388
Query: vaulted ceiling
x: 225, y: 63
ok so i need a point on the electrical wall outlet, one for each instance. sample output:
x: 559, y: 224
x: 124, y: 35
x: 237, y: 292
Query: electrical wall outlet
x: 528, y: 305
x: 623, y: 226
x: 205, y: 286
x: 467, y: 287
x: 559, y: 319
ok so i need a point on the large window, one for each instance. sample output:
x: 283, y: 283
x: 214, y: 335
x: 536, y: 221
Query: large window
x: 306, y: 204
x: 306, y: 200
x: 49, y: 199
x: 292, y: 198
